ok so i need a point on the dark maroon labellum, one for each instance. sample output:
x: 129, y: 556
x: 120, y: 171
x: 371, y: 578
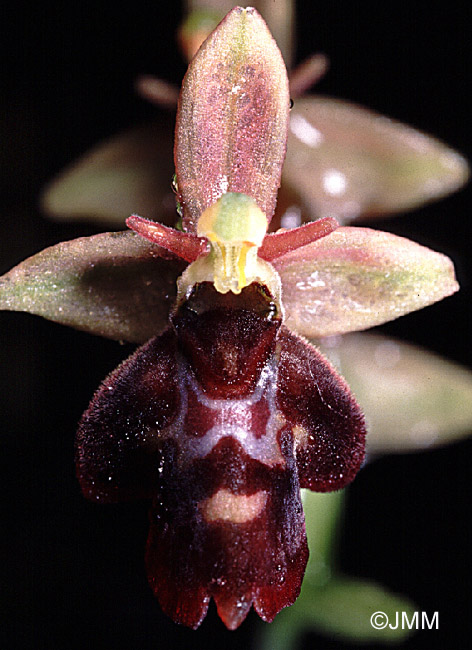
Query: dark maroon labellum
x: 220, y: 421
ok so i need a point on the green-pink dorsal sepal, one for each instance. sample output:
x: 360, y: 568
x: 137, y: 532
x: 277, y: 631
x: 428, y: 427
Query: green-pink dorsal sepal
x: 232, y: 118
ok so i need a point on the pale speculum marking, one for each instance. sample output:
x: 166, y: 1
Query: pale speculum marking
x: 233, y: 508
x: 252, y: 420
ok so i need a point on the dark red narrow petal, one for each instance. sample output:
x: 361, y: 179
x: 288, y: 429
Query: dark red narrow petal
x: 186, y: 245
x: 276, y: 244
x: 326, y: 421
x: 118, y: 446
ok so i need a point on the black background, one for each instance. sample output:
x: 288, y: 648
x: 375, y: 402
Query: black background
x: 74, y: 571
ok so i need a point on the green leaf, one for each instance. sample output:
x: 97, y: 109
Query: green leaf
x: 355, y: 278
x: 342, y: 608
x: 345, y: 161
x: 232, y: 118
x: 412, y: 399
x: 330, y: 603
x: 117, y: 285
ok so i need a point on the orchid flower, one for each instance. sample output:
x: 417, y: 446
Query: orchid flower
x: 226, y: 412
x: 377, y: 164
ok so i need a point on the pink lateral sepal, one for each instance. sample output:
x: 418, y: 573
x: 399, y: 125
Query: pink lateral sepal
x: 183, y: 244
x: 279, y: 243
x: 327, y: 422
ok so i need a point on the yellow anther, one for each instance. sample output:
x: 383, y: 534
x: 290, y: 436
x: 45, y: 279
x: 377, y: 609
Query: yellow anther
x: 235, y: 227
